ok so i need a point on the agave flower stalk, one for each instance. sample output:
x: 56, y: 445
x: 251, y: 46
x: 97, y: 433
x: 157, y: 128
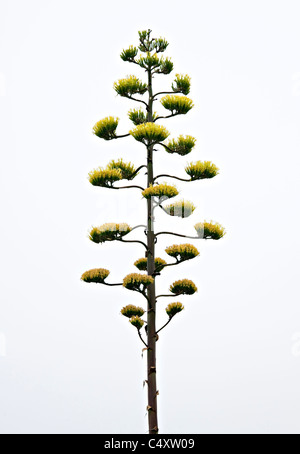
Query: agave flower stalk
x: 151, y: 135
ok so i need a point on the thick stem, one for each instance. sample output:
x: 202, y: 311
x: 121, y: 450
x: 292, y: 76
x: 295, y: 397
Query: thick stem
x: 151, y: 319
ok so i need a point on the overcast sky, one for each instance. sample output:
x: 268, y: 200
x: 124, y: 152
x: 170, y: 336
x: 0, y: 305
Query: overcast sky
x: 69, y: 362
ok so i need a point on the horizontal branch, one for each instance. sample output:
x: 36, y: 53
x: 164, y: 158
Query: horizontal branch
x: 168, y: 116
x: 170, y: 296
x: 164, y: 93
x: 111, y: 285
x: 159, y: 269
x: 173, y: 264
x: 128, y: 187
x: 179, y: 235
x: 171, y: 176
x: 166, y: 147
x: 120, y: 137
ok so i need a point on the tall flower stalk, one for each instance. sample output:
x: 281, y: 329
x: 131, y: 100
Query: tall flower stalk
x: 147, y: 131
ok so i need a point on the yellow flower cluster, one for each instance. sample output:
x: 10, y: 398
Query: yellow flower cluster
x: 109, y: 232
x: 173, y: 309
x: 210, y: 230
x: 115, y: 171
x: 183, y: 287
x: 127, y: 169
x: 141, y: 264
x: 129, y: 86
x: 182, y: 252
x: 132, y: 311
x: 97, y: 276
x: 106, y: 128
x: 201, y: 169
x: 137, y: 322
x: 160, y: 190
x: 181, y: 209
x: 150, y: 133
x: 182, y: 146
x: 177, y: 104
x: 104, y: 177
x: 134, y: 281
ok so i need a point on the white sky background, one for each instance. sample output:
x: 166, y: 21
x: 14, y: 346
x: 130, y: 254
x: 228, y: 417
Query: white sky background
x: 230, y: 363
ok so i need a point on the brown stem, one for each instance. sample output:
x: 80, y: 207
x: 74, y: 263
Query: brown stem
x: 133, y: 241
x: 169, y: 321
x: 137, y: 100
x: 151, y: 315
x: 166, y: 147
x: 137, y: 171
x: 140, y: 336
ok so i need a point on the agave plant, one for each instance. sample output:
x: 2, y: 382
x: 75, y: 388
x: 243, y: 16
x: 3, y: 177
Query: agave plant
x: 146, y: 130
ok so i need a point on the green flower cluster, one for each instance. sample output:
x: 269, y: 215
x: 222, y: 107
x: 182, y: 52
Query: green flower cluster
x: 149, y: 61
x: 132, y: 311
x: 183, y: 287
x: 137, y: 322
x: 165, y: 66
x: 200, y: 170
x: 109, y: 232
x: 139, y: 117
x: 160, y: 191
x: 129, y: 54
x: 141, y: 264
x: 106, y: 128
x: 210, y: 230
x: 182, y: 252
x: 173, y: 309
x: 147, y: 45
x: 96, y: 276
x: 177, y: 104
x: 182, y: 146
x: 150, y: 133
x: 129, y: 86
x: 137, y: 282
x: 182, y: 84
x: 181, y: 209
